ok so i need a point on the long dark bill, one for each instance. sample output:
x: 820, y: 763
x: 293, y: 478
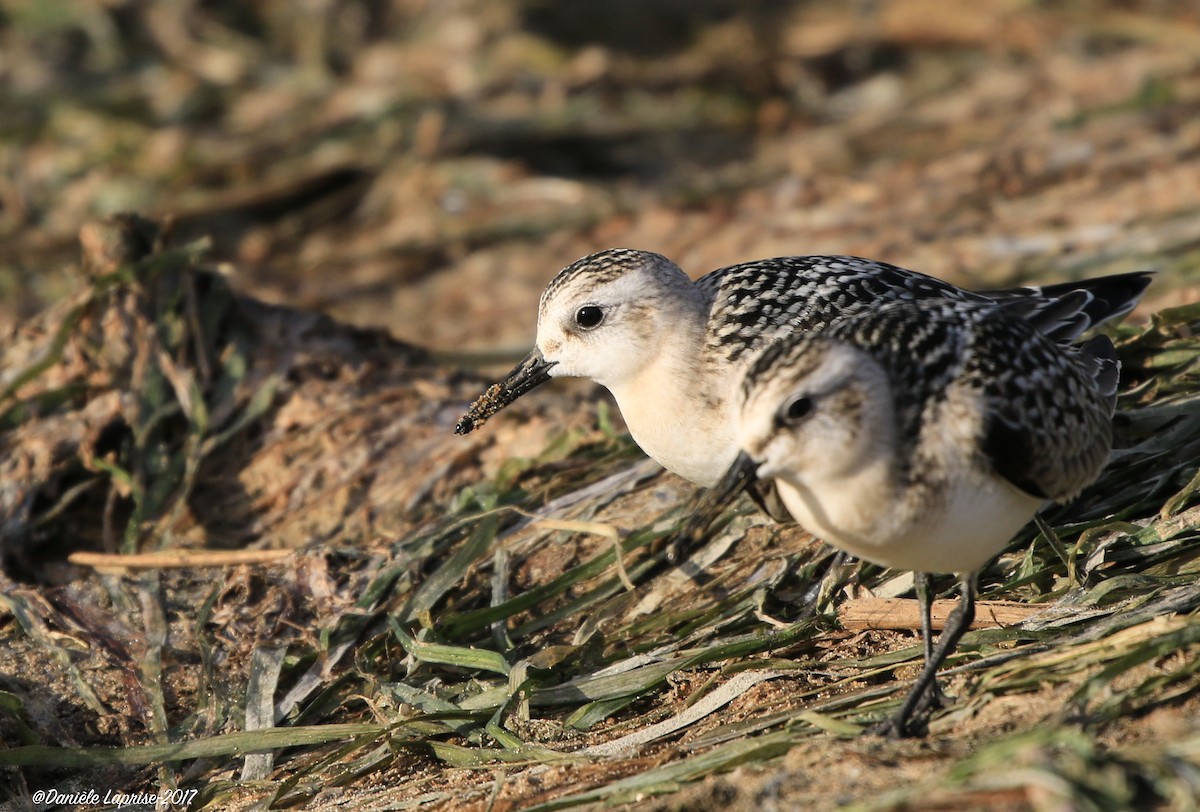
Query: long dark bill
x: 531, y: 372
x: 737, y: 478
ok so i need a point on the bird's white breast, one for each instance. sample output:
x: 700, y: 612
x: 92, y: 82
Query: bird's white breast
x: 679, y: 414
x: 954, y: 528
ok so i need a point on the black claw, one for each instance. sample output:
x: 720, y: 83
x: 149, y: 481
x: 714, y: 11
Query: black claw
x: 914, y: 727
x: 887, y: 729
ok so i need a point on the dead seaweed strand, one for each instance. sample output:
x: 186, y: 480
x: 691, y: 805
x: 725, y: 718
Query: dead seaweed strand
x: 226, y: 744
x: 266, y: 663
x: 149, y: 663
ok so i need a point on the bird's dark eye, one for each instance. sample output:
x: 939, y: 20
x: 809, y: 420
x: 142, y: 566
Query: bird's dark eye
x: 798, y: 409
x: 589, y: 316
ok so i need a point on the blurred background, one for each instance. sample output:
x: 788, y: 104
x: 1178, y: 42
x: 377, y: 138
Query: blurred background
x: 427, y: 165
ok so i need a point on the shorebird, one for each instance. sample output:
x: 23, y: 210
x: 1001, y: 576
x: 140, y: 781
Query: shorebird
x: 921, y: 436
x: 670, y: 350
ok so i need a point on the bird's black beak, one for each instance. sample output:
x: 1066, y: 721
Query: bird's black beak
x: 738, y: 477
x: 531, y: 372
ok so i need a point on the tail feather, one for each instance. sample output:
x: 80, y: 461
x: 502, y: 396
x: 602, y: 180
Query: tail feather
x: 1112, y: 296
x: 1066, y: 310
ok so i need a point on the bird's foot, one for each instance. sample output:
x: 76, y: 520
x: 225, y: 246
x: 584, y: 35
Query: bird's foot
x: 912, y: 721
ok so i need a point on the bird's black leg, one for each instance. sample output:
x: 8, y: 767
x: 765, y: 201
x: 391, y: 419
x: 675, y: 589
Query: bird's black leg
x: 934, y: 699
x: 956, y: 625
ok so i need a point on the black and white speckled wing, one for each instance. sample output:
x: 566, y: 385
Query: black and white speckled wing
x: 758, y: 302
x: 1049, y: 407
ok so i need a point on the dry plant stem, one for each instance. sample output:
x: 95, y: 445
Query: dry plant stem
x: 177, y: 559
x: 607, y: 531
x: 902, y: 614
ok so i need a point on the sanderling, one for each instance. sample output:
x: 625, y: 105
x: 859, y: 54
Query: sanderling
x: 922, y: 436
x: 670, y: 349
